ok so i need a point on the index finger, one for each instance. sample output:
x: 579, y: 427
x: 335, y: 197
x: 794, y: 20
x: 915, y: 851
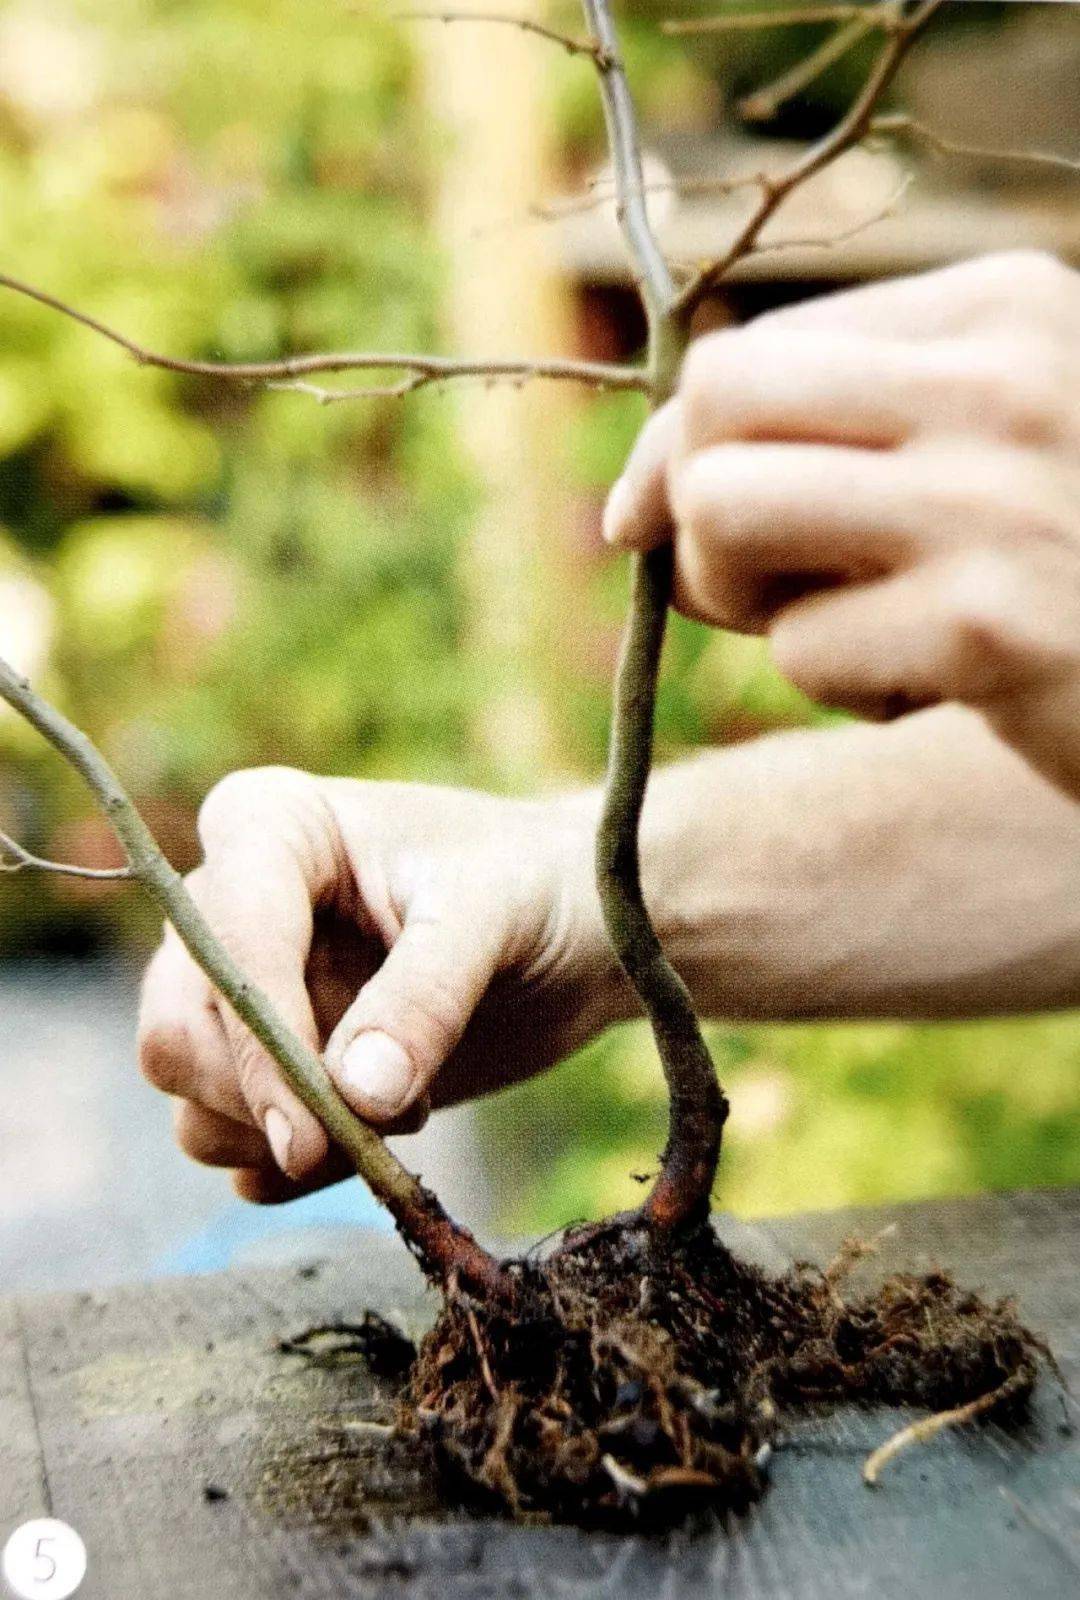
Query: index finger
x: 262, y: 875
x: 637, y: 511
x: 944, y: 304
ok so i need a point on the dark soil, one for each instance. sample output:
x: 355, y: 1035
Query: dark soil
x: 635, y: 1381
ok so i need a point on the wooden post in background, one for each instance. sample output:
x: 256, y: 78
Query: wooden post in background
x: 485, y: 85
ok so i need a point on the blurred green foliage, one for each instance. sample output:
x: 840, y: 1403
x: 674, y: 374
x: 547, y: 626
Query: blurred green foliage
x: 238, y: 576
x: 211, y: 577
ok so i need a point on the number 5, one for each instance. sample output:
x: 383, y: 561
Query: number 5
x: 43, y: 1555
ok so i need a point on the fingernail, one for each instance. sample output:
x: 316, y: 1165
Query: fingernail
x: 615, y: 511
x: 279, y: 1136
x: 377, y: 1069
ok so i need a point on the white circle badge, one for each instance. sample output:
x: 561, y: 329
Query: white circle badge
x: 44, y: 1560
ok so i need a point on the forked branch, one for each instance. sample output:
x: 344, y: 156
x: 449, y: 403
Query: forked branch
x: 14, y: 858
x: 753, y: 21
x: 566, y: 41
x: 849, y: 131
x: 899, y: 125
x: 763, y: 104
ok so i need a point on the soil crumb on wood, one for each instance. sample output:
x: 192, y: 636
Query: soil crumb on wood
x: 638, y: 1384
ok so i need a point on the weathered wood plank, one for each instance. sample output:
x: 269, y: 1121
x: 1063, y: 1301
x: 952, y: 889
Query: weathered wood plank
x: 145, y: 1397
x: 23, y: 1490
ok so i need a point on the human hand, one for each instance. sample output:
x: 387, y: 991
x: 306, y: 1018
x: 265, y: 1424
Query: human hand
x: 887, y: 483
x: 434, y: 943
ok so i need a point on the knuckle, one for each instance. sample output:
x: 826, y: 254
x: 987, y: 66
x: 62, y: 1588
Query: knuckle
x: 699, y: 377
x: 793, y: 660
x: 164, y: 1050
x: 1010, y: 496
x: 189, y: 1132
x: 694, y: 582
x: 1039, y: 270
x: 1044, y: 410
x: 242, y: 797
x: 1028, y: 281
x: 255, y: 1072
x: 1020, y: 394
x: 714, y: 495
x: 958, y: 486
x: 981, y: 593
x: 692, y: 496
x: 430, y: 1021
x: 213, y: 1142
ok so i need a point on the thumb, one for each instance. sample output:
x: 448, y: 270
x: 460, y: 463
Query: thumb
x: 409, y: 1016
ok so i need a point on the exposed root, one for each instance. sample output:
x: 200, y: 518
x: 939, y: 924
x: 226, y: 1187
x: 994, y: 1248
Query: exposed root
x: 637, y: 1381
x: 384, y: 1349
x: 1018, y: 1382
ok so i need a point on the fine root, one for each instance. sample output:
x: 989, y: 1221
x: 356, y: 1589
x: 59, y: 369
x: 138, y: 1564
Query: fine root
x: 1017, y: 1383
x: 637, y: 1381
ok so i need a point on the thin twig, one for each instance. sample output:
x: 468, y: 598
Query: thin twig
x: 441, y: 1245
x: 681, y: 1193
x: 730, y: 20
x: 603, y: 193
x: 426, y: 368
x: 842, y: 235
x: 763, y: 103
x: 908, y: 127
x: 600, y: 191
x: 849, y: 131
x: 428, y: 372
x: 20, y: 859
x: 567, y: 41
x: 624, y: 145
x: 929, y: 1427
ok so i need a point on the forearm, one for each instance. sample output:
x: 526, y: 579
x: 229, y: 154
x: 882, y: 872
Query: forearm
x: 916, y: 870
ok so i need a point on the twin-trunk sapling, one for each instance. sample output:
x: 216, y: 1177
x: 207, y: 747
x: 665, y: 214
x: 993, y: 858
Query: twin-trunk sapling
x: 543, y: 1386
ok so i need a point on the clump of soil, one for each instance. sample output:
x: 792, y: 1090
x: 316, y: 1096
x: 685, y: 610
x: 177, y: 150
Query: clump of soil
x: 638, y: 1380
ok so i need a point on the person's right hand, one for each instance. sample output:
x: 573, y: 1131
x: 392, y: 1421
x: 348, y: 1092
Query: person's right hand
x: 886, y: 482
x: 435, y: 943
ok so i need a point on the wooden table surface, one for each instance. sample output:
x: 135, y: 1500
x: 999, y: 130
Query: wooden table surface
x: 197, y: 1460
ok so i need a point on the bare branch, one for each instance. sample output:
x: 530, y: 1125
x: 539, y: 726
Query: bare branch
x: 429, y: 371
x: 765, y: 102
x: 600, y: 191
x: 842, y: 235
x: 728, y: 21
x: 849, y: 131
x: 442, y: 1246
x: 603, y: 193
x: 899, y: 124
x: 19, y: 860
x: 428, y: 368
x: 573, y: 46
x: 624, y: 143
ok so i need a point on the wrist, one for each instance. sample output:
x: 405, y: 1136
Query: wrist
x: 602, y: 994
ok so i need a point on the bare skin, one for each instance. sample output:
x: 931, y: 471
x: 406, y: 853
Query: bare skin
x: 914, y: 448
x: 887, y: 483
